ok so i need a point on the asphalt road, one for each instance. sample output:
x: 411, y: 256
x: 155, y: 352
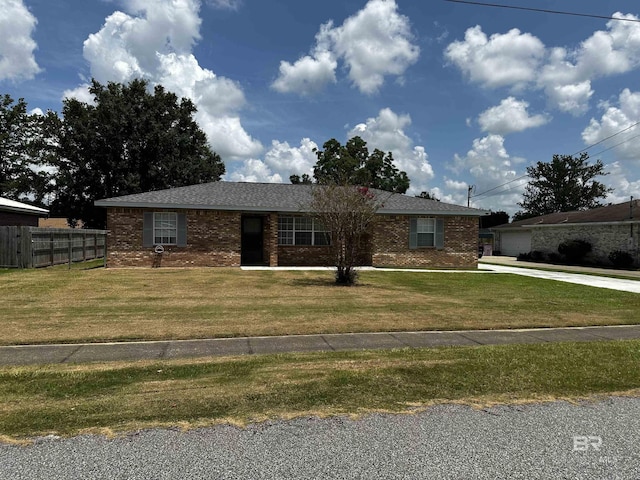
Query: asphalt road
x: 545, y: 441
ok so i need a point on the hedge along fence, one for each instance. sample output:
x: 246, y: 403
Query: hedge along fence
x: 33, y: 247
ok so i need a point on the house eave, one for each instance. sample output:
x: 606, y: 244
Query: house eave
x: 35, y: 211
x: 111, y: 204
x: 182, y: 206
x: 445, y: 213
x: 585, y: 224
x: 565, y: 224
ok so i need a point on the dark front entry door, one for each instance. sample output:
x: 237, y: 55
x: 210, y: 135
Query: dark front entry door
x: 252, y: 241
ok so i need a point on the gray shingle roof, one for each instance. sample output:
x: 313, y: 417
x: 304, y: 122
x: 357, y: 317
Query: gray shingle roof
x: 270, y: 197
x: 620, y: 212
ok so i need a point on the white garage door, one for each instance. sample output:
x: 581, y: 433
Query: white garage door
x: 514, y: 243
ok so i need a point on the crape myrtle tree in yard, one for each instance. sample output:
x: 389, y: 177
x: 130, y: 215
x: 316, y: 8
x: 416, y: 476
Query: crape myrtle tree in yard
x: 130, y: 140
x: 347, y: 212
x: 562, y: 185
x: 344, y: 200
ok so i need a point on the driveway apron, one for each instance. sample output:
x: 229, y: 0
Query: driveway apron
x: 620, y: 284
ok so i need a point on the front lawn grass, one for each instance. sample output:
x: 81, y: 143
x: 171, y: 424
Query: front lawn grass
x: 58, y: 305
x: 70, y: 399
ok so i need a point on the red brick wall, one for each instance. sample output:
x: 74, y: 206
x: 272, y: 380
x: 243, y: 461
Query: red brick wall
x: 391, y: 244
x: 304, y: 256
x: 311, y: 256
x: 271, y: 239
x: 213, y: 240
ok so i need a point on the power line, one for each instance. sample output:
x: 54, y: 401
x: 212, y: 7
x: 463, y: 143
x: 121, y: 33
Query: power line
x: 605, y: 139
x: 617, y: 145
x: 542, y: 10
x: 579, y: 151
x: 499, y: 186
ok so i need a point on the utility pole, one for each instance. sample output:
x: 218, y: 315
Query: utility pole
x: 469, y: 190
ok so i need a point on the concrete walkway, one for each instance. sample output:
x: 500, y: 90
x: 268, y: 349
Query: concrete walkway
x: 620, y: 284
x: 514, y: 262
x: 167, y: 350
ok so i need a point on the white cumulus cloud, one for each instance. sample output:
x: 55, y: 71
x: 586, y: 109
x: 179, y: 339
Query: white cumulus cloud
x: 518, y: 60
x: 510, y: 116
x: 225, y: 4
x: 308, y: 75
x: 17, y: 23
x: 374, y: 43
x: 80, y: 93
x: 255, y: 171
x: 280, y: 161
x: 618, y: 179
x: 154, y: 40
x: 489, y: 164
x: 614, y: 120
x: 502, y: 60
x: 386, y: 132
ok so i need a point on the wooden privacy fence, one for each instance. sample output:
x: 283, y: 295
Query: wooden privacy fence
x: 33, y: 247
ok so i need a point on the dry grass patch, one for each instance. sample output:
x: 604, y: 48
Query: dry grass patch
x: 50, y: 306
x: 64, y: 399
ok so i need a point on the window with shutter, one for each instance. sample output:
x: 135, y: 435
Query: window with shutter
x: 426, y: 232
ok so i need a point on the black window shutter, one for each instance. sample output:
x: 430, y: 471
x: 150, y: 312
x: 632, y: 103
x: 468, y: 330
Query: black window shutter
x: 182, y: 229
x: 147, y: 229
x: 440, y: 233
x: 413, y: 233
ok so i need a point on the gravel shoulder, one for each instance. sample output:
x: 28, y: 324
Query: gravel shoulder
x: 588, y: 440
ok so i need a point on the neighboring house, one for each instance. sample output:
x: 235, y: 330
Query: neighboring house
x: 232, y: 224
x: 57, y: 222
x: 614, y: 227
x: 17, y: 214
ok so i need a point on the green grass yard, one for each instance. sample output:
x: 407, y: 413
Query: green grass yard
x: 58, y: 305
x: 61, y: 305
x: 116, y: 397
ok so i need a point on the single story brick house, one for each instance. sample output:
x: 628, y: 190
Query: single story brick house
x: 234, y: 223
x: 18, y: 214
x: 614, y: 227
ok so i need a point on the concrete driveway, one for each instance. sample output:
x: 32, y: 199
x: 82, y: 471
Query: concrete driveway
x: 592, y: 280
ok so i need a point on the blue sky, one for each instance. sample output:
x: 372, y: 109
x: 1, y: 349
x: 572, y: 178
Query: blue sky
x: 461, y: 94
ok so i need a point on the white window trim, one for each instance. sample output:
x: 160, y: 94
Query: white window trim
x: 313, y: 232
x: 432, y: 222
x: 175, y: 217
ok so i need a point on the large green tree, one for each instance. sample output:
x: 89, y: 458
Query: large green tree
x: 352, y: 164
x: 25, y: 152
x: 562, y: 185
x: 130, y: 140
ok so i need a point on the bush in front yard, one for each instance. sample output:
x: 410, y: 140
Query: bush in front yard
x: 574, y: 250
x: 621, y: 259
x: 555, y: 257
x: 534, y: 256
